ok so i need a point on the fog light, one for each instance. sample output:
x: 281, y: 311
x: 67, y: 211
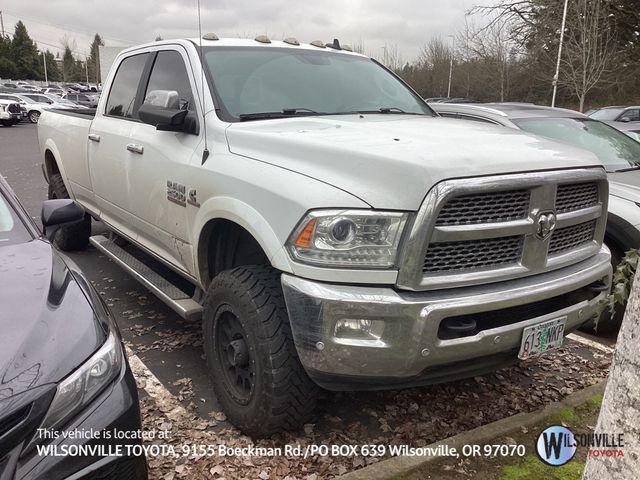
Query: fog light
x: 359, y: 329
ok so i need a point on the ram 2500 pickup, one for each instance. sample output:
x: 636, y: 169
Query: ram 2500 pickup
x: 327, y: 226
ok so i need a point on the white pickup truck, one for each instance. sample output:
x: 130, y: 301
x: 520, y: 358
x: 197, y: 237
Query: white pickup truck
x: 328, y: 227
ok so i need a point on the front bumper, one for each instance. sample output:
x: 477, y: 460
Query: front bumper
x: 413, y: 348
x: 115, y: 410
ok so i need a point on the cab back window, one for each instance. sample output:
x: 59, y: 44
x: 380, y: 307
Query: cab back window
x: 122, y: 97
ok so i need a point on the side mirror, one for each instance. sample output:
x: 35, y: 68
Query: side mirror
x: 59, y: 213
x: 625, y: 119
x: 166, y: 119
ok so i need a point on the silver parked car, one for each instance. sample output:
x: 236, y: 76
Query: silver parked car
x: 616, y: 114
x: 619, y: 153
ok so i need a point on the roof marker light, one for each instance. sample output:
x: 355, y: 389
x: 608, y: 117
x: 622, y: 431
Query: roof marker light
x: 210, y: 36
x: 291, y: 41
x: 318, y: 43
x: 347, y: 48
x: 262, y: 39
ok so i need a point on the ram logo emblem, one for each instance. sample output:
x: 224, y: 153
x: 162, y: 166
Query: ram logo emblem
x: 545, y: 225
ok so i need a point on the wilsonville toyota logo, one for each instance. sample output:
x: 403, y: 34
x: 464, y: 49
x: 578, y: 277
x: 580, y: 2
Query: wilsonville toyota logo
x: 557, y: 445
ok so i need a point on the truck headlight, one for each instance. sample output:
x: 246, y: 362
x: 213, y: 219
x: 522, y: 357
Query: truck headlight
x: 348, y: 238
x: 84, y: 384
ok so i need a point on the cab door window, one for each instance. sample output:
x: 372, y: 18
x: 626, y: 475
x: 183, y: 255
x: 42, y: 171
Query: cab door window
x: 169, y: 73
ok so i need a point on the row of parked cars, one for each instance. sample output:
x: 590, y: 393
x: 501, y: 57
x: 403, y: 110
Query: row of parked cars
x: 58, y: 89
x: 19, y: 106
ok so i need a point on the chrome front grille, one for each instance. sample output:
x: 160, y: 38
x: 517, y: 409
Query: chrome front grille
x: 451, y: 256
x: 479, y: 230
x: 485, y: 208
x: 571, y: 237
x: 574, y: 196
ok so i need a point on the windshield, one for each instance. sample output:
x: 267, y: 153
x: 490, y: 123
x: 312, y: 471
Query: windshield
x: 285, y: 81
x: 615, y: 150
x: 606, y: 114
x: 26, y: 99
x: 12, y: 230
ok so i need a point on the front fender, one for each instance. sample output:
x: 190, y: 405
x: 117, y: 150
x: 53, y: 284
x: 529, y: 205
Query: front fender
x: 228, y: 208
x: 623, y: 223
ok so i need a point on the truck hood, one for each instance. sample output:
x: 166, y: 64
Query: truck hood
x: 391, y: 161
x: 47, y: 324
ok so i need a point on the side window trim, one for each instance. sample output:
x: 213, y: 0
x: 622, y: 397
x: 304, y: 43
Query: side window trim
x: 144, y: 81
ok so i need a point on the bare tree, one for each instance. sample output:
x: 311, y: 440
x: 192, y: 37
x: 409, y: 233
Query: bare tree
x: 433, y: 67
x: 491, y: 49
x: 391, y: 57
x: 589, y: 48
x: 520, y: 15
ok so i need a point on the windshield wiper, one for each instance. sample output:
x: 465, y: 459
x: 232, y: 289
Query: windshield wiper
x: 285, y: 112
x: 390, y: 110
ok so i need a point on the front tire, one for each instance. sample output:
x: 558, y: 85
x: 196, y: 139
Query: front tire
x: 72, y: 237
x: 257, y: 376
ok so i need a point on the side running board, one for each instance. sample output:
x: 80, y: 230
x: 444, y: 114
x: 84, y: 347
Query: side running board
x: 174, y: 297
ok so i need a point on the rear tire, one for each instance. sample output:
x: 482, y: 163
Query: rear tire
x: 259, y: 381
x: 72, y: 237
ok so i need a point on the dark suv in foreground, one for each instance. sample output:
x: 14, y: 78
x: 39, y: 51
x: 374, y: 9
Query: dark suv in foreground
x: 63, y: 370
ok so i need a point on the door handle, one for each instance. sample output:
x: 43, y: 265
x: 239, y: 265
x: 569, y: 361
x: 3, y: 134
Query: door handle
x: 132, y: 147
x: 94, y: 137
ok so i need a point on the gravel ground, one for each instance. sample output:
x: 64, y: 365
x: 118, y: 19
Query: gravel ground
x: 414, y: 417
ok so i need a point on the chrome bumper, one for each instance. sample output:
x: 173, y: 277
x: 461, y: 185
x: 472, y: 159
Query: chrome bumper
x: 407, y: 347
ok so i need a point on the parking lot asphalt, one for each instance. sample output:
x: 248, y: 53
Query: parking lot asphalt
x: 171, y: 350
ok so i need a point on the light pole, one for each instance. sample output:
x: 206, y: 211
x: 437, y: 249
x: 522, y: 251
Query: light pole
x: 557, y: 75
x: 44, y: 61
x: 453, y: 44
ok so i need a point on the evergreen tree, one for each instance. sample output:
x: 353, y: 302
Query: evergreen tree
x: 53, y: 72
x: 68, y: 65
x: 8, y: 67
x: 25, y: 54
x: 94, y: 59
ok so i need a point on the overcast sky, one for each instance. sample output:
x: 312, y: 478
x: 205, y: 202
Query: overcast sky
x: 407, y: 24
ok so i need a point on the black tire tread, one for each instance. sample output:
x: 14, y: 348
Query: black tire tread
x: 288, y: 396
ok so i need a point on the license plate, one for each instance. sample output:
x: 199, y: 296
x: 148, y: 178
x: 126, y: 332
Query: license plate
x: 543, y: 337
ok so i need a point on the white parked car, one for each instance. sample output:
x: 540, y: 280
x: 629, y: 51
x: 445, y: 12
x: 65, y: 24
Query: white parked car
x: 329, y: 228
x: 34, y: 109
x: 9, y: 113
x: 53, y: 101
x: 53, y: 91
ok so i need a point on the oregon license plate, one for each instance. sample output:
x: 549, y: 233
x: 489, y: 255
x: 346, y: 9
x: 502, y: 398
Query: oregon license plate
x: 540, y: 338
